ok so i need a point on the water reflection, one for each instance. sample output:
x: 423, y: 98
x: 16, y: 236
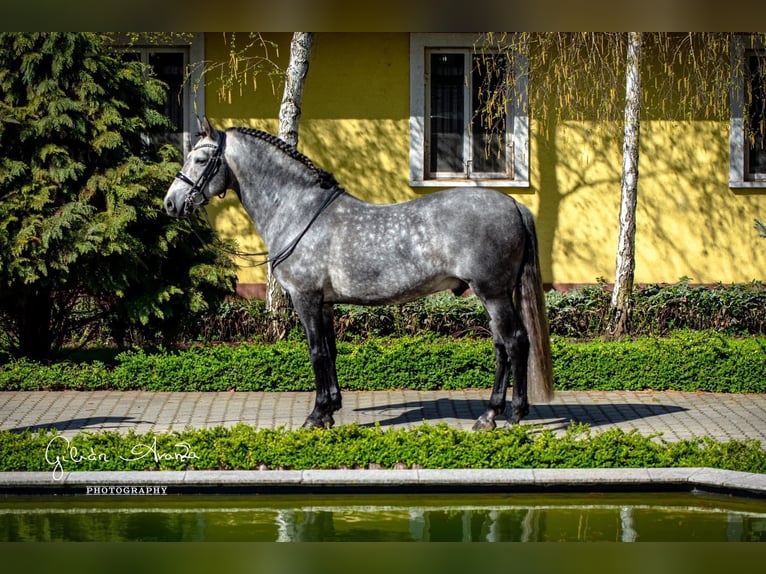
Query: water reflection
x: 293, y: 519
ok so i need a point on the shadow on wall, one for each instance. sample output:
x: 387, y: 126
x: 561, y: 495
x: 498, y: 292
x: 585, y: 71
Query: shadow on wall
x: 355, y: 124
x: 689, y: 223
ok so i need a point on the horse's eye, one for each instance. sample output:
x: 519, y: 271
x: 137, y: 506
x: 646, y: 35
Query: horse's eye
x: 199, y: 160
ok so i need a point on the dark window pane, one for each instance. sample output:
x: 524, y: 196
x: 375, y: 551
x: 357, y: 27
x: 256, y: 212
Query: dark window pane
x: 169, y: 67
x: 756, y: 117
x: 447, y: 120
x: 489, y: 113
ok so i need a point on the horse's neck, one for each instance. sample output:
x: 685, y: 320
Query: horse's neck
x: 276, y: 191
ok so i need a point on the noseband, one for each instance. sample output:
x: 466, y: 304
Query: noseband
x: 195, y: 197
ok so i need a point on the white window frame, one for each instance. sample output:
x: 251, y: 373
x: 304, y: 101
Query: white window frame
x: 739, y: 178
x: 194, y: 85
x: 517, y: 126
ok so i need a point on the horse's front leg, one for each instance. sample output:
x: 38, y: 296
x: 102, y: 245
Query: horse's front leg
x: 318, y: 324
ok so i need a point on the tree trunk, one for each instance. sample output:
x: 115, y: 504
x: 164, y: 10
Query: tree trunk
x: 33, y: 320
x: 621, y: 304
x: 297, y: 70
x: 277, y: 301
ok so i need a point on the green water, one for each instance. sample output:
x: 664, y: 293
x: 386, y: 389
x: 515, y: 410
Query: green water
x: 399, y: 518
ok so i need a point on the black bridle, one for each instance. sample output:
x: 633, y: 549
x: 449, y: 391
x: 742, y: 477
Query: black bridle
x: 195, y: 197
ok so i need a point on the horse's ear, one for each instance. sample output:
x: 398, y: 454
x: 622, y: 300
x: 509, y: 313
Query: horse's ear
x: 206, y: 128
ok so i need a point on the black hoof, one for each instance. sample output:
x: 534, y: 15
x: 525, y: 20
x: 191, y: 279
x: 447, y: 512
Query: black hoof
x: 517, y: 414
x: 324, y: 422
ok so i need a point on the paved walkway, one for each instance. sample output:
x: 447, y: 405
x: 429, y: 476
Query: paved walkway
x: 672, y: 415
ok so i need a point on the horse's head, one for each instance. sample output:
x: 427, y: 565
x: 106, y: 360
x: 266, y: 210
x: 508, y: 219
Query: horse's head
x: 201, y: 176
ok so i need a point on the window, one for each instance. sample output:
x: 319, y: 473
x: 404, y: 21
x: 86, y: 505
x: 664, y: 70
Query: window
x: 171, y: 64
x: 756, y: 119
x: 747, y: 138
x: 452, y: 138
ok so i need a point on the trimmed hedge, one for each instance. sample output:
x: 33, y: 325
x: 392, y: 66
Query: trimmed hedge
x: 686, y: 361
x: 426, y: 446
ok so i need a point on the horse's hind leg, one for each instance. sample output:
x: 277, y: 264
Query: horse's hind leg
x: 328, y: 324
x: 318, y: 324
x: 511, y: 352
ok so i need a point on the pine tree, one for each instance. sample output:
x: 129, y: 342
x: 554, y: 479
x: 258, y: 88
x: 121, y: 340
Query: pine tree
x: 82, y: 235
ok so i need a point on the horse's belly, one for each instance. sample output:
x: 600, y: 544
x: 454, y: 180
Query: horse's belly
x: 369, y: 290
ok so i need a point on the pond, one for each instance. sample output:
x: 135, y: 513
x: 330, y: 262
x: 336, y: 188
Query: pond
x: 602, y: 517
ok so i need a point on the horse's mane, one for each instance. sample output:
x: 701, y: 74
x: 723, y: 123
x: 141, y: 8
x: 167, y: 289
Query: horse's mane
x: 325, y: 179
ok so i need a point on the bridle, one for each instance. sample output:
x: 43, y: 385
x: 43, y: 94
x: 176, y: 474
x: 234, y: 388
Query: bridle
x: 195, y: 197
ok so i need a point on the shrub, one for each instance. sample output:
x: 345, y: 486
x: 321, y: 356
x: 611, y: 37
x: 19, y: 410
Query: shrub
x: 581, y: 313
x: 83, y: 246
x: 689, y: 361
x: 429, y: 446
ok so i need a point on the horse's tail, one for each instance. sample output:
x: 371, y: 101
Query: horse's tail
x: 532, y: 307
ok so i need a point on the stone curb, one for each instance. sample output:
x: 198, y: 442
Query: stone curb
x: 389, y: 481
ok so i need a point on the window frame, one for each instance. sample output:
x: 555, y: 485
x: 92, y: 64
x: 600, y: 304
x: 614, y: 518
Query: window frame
x: 193, y: 101
x: 517, y: 118
x: 739, y: 152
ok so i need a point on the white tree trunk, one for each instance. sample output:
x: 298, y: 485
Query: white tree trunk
x: 289, y: 117
x: 297, y: 70
x: 619, y: 324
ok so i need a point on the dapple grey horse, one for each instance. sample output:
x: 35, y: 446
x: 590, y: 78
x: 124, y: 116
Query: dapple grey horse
x: 327, y: 246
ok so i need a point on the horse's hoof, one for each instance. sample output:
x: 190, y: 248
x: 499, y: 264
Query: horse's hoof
x: 484, y: 423
x: 517, y: 414
x: 324, y: 422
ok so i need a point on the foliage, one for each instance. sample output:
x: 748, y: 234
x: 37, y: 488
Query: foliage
x: 737, y: 309
x: 581, y: 75
x: 425, y: 446
x: 250, y: 56
x: 81, y: 232
x: 581, y: 313
x: 687, y: 361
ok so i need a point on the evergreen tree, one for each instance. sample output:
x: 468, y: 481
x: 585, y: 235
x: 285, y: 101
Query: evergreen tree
x: 82, y: 236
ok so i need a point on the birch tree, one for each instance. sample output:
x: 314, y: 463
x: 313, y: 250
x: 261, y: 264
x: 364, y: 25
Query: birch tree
x: 277, y: 301
x: 598, y: 76
x: 625, y: 265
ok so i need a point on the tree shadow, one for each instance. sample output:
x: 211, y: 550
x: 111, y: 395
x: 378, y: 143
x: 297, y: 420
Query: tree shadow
x: 101, y: 424
x: 553, y: 416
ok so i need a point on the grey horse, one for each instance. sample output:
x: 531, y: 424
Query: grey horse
x: 327, y: 246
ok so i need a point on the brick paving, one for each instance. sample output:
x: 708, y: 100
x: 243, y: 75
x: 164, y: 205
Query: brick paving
x: 671, y: 415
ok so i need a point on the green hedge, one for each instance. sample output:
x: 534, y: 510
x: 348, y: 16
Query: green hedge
x: 582, y: 313
x: 351, y: 446
x: 688, y: 361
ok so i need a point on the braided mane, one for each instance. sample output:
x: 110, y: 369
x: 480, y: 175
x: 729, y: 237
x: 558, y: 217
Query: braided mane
x: 325, y: 179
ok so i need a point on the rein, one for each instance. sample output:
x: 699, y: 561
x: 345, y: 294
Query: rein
x: 285, y: 252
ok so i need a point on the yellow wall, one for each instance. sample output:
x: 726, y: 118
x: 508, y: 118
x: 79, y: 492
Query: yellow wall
x: 355, y: 124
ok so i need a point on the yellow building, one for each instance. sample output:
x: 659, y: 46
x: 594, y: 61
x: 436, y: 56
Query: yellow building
x: 380, y: 112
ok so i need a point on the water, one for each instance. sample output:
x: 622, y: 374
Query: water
x: 395, y: 518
